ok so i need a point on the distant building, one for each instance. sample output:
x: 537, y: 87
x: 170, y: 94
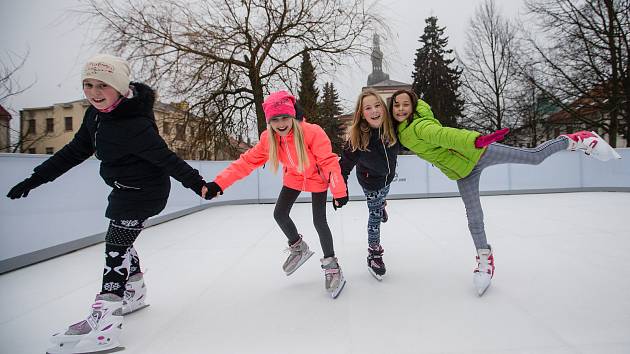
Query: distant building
x: 45, y: 130
x: 5, y: 128
x: 378, y: 81
x: 562, y: 121
x: 377, y: 74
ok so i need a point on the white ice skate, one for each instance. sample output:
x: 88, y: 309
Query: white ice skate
x: 98, y: 333
x: 135, y: 294
x: 334, y: 280
x: 592, y: 145
x: 482, y: 276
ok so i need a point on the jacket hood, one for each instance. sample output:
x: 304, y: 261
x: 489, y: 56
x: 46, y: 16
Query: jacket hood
x: 141, y: 104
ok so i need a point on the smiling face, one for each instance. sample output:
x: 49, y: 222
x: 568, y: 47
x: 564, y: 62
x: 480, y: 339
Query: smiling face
x: 281, y: 125
x: 373, y: 111
x: 99, y: 94
x: 402, y: 107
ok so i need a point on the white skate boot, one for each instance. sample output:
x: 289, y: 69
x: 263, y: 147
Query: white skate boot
x: 135, y: 294
x: 334, y: 276
x: 98, y: 333
x: 484, y: 272
x: 298, y: 254
x: 592, y: 145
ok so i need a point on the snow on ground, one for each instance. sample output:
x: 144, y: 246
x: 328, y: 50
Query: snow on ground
x: 216, y: 284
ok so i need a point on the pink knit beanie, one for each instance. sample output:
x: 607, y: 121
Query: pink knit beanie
x: 279, y: 103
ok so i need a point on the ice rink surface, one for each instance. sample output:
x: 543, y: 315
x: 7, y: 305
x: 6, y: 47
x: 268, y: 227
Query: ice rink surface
x: 562, y: 283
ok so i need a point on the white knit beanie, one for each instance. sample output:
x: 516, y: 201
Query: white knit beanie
x: 110, y: 69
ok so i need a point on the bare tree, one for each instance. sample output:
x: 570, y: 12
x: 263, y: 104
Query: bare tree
x: 584, y: 57
x: 224, y: 55
x: 489, y: 72
x: 10, y: 66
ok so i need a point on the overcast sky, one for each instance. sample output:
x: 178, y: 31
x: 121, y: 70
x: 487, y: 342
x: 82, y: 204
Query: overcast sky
x: 58, y: 44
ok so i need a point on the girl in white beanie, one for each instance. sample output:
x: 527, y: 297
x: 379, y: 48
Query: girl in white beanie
x: 120, y: 130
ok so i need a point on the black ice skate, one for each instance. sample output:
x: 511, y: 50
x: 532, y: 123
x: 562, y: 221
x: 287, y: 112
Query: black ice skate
x: 375, y: 262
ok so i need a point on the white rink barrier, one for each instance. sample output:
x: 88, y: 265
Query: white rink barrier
x: 68, y: 214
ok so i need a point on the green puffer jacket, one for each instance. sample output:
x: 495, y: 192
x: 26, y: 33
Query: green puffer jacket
x: 451, y: 150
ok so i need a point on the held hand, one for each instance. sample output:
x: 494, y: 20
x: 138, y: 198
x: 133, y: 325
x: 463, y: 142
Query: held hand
x: 204, y: 190
x: 22, y: 189
x: 212, y: 190
x: 485, y: 140
x: 338, y: 203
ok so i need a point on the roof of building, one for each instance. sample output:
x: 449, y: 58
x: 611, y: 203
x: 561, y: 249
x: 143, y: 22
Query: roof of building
x: 4, y: 114
x: 390, y: 83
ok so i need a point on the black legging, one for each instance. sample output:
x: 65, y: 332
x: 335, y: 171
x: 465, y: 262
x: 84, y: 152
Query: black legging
x: 281, y: 213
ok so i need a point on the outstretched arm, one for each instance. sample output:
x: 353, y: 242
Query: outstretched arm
x: 247, y: 162
x: 76, y: 151
x: 429, y: 129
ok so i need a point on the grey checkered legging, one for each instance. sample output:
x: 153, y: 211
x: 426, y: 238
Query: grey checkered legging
x: 499, y: 154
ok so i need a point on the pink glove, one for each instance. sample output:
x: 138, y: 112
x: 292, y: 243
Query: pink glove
x: 485, y: 140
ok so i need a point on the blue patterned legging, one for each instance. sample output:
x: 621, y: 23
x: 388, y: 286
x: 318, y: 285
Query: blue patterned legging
x: 376, y: 204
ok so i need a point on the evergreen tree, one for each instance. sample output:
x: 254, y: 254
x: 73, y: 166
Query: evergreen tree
x: 329, y: 112
x: 434, y: 80
x: 308, y: 93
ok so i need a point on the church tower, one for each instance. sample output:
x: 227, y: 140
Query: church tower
x: 377, y: 74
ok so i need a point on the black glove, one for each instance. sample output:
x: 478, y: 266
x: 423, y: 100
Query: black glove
x: 213, y: 190
x: 341, y: 201
x: 198, y: 186
x: 21, y: 189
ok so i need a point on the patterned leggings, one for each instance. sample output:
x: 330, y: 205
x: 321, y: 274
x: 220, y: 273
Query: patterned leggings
x: 376, y: 204
x: 499, y: 154
x: 121, y: 258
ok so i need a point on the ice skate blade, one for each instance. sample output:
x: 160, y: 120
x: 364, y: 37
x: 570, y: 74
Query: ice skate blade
x: 605, y: 152
x: 136, y: 309
x: 482, y: 288
x: 337, y: 291
x: 376, y: 276
x: 310, y: 253
x: 104, y: 351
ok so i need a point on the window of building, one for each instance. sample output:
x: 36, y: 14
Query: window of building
x: 31, y: 127
x: 50, y: 125
x: 32, y: 151
x: 68, y: 124
x: 50, y: 150
x: 180, y: 132
x: 166, y: 128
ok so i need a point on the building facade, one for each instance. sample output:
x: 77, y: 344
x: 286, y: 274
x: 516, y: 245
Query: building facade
x: 45, y: 130
x: 5, y: 128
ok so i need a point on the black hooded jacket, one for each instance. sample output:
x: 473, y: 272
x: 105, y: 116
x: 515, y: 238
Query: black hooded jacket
x: 376, y: 167
x: 135, y: 160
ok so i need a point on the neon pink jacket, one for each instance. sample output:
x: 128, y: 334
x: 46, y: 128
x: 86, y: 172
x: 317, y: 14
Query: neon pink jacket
x: 323, y: 169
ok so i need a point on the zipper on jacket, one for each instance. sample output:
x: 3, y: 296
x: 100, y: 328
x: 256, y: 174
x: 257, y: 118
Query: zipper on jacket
x: 122, y: 186
x: 286, y: 146
x: 98, y: 124
x: 386, y: 159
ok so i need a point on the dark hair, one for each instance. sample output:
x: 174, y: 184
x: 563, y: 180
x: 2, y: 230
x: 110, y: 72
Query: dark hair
x: 390, y: 105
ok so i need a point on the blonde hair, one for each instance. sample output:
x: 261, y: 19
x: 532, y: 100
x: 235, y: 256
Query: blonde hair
x: 359, y: 136
x: 300, y: 147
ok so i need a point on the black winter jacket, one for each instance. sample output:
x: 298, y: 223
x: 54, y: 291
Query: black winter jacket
x: 135, y: 160
x: 376, y: 167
